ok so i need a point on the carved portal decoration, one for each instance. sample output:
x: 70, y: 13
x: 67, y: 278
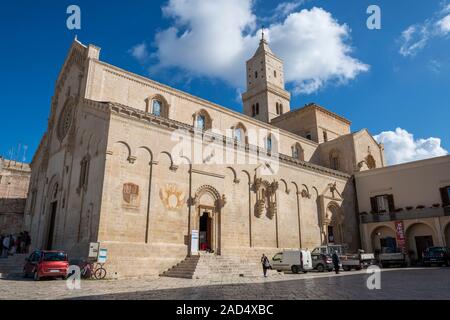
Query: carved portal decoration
x: 219, y: 200
x: 266, y: 199
x: 131, y: 195
x: 172, y: 197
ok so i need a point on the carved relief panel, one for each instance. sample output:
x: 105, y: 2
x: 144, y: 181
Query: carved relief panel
x: 130, y: 194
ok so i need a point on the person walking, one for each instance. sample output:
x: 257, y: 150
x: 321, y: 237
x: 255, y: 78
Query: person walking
x: 265, y: 264
x: 336, y: 262
x: 5, y: 244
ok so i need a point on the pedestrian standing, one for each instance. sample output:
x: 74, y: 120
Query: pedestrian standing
x: 27, y: 242
x: 265, y: 264
x: 5, y: 244
x: 336, y: 262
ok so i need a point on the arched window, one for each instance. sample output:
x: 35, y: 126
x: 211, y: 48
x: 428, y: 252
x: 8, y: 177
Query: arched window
x: 256, y: 74
x: 200, y: 123
x: 297, y: 152
x: 239, y: 133
x: 253, y: 110
x: 281, y: 108
x: 278, y: 108
x: 268, y: 143
x: 275, y: 73
x: 335, y: 160
x: 202, y: 120
x: 157, y: 105
x: 156, y: 108
x: 257, y: 108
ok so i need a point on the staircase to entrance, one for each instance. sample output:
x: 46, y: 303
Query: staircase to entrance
x: 212, y: 266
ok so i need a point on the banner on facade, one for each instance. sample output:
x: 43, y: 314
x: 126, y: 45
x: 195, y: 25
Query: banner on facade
x: 400, y: 234
x: 194, y: 242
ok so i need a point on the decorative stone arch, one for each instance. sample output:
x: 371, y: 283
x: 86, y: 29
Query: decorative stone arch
x: 172, y: 166
x: 286, y: 188
x: 130, y: 158
x: 207, y: 117
x: 236, y: 180
x: 208, y: 204
x: 165, y: 107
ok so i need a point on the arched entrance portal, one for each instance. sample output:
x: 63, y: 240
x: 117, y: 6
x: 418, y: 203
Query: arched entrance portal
x: 333, y: 224
x: 384, y: 240
x: 419, y: 236
x: 207, y: 219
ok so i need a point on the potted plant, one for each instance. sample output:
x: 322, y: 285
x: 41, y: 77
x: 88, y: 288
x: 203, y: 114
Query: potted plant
x: 409, y: 208
x: 420, y: 207
x: 436, y: 205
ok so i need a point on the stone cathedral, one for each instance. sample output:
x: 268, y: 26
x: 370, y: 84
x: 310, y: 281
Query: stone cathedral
x: 108, y: 169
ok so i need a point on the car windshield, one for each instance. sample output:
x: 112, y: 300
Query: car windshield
x: 54, y: 256
x: 436, y: 250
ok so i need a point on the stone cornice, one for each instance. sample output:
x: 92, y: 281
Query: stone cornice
x: 311, y: 106
x: 148, y: 118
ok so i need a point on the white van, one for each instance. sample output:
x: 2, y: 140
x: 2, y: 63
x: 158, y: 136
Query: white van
x: 292, y: 260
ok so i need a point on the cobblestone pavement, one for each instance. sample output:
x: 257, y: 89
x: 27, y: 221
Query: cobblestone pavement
x: 420, y: 284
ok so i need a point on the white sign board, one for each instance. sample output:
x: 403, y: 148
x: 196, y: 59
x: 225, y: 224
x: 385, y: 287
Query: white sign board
x: 93, y: 249
x: 194, y: 242
x: 102, y: 255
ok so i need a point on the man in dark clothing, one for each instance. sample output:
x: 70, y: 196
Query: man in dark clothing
x: 336, y: 262
x: 265, y: 264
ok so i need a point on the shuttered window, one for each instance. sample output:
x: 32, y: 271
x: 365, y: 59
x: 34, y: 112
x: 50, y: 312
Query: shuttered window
x: 382, y: 203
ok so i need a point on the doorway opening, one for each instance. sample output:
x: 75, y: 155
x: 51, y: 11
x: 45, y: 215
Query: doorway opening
x: 205, y: 234
x: 330, y: 234
x: 422, y: 243
x: 51, y: 228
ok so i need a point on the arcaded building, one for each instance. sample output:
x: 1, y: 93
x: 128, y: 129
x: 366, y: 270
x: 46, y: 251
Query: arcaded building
x: 405, y: 207
x: 138, y: 166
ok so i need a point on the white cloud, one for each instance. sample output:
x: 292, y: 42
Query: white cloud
x: 444, y: 24
x: 417, y: 36
x: 140, y: 52
x: 215, y: 38
x: 400, y: 147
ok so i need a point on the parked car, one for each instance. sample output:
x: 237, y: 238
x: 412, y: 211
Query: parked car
x: 42, y: 263
x: 349, y: 261
x: 437, y: 256
x: 321, y: 262
x: 293, y: 260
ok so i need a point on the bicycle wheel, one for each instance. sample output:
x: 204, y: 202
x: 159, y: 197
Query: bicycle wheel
x: 100, y: 273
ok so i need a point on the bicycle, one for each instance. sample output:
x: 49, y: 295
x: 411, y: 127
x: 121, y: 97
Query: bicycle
x: 93, y: 270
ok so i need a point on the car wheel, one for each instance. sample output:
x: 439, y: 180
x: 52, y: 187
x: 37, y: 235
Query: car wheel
x: 295, y: 269
x: 36, y: 276
x: 320, y: 268
x: 358, y: 268
x: 346, y: 268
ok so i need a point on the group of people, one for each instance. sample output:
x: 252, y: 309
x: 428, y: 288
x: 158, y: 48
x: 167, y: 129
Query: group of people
x: 15, y: 243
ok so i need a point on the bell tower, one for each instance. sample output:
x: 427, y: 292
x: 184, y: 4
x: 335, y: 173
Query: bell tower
x: 266, y: 97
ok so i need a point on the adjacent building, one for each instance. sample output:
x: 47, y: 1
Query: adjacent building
x: 14, y: 181
x: 405, y: 206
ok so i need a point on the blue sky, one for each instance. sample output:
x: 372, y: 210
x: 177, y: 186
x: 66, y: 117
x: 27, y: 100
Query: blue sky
x: 396, y: 77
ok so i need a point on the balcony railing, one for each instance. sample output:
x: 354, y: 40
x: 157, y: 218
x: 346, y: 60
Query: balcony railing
x: 405, y: 214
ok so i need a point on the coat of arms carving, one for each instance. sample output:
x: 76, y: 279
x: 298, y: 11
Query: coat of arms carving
x: 131, y: 194
x: 172, y: 197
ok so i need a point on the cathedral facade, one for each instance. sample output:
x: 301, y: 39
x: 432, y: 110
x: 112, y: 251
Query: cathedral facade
x: 137, y: 166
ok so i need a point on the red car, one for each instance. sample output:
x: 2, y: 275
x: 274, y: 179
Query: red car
x: 43, y: 263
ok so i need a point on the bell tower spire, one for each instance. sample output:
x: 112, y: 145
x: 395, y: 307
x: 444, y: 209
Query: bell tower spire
x: 266, y: 97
